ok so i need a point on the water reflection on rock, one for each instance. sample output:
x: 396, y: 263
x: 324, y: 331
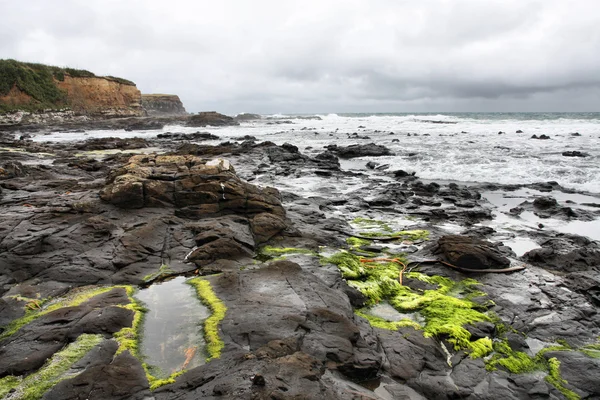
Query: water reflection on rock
x: 172, y: 337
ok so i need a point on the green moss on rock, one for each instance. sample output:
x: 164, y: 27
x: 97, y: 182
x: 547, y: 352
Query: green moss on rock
x: 34, y: 386
x: 557, y: 381
x: 445, y: 315
x: 75, y: 298
x: 214, y: 344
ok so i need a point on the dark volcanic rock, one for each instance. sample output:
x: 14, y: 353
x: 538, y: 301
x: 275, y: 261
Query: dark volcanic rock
x: 471, y: 253
x: 541, y: 137
x: 575, y: 154
x: 187, y: 136
x: 144, y: 124
x: 211, y: 118
x: 121, y: 377
x: 54, y: 330
x: 566, y: 253
x: 247, y: 117
x: 112, y: 143
x: 359, y: 150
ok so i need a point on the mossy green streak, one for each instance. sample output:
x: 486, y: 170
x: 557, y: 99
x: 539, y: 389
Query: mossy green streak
x: 208, y: 297
x: 445, y: 315
x: 34, y: 386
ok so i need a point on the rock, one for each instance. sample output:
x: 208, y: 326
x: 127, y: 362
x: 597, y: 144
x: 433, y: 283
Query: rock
x: 575, y: 134
x: 144, y: 124
x: 545, y: 202
x: 265, y: 226
x: 284, y: 153
x: 162, y: 104
x: 120, y: 378
x: 188, y: 136
x: 579, y: 371
x: 211, y: 118
x: 519, y: 131
x: 575, y: 154
x: 359, y: 150
x: 542, y: 137
x: 186, y: 182
x: 247, y: 117
x: 471, y: 253
x: 112, y: 143
x: 566, y: 253
x: 54, y: 330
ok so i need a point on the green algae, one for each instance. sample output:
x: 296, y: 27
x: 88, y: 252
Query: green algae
x: 557, y: 381
x: 129, y: 338
x: 279, y: 251
x: 74, y: 299
x: 355, y: 242
x: 163, y: 272
x: 445, y: 315
x: 54, y: 370
x: 207, y: 296
x: 372, y: 223
x: 385, y: 324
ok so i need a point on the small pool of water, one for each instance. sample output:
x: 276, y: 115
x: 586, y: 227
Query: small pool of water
x: 172, y: 337
x: 389, y: 313
x: 521, y: 245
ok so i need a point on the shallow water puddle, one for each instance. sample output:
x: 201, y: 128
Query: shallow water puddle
x: 386, y: 311
x: 172, y: 337
x: 521, y: 245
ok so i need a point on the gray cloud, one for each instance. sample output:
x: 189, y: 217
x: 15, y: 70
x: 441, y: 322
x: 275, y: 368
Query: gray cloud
x: 333, y: 56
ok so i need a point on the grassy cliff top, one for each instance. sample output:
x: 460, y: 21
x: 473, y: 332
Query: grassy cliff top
x: 39, y: 82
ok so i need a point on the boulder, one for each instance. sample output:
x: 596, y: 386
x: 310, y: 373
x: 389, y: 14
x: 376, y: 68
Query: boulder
x: 187, y: 182
x: 211, y: 118
x: 575, y: 154
x: 470, y: 253
x: 112, y: 143
x: 247, y: 117
x: 187, y: 136
x: 359, y: 150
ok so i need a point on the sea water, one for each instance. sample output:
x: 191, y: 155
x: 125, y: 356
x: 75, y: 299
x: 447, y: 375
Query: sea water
x: 465, y: 147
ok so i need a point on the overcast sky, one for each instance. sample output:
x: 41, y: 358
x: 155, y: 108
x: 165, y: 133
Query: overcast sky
x: 328, y: 55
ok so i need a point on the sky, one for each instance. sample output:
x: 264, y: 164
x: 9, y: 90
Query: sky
x: 325, y: 56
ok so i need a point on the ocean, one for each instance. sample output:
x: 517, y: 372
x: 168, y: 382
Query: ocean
x: 464, y: 147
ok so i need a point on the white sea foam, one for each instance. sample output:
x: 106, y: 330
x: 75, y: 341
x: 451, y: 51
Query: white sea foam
x: 464, y: 148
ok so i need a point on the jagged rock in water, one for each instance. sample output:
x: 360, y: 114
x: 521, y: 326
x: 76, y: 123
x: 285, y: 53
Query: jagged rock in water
x: 211, y: 118
x: 162, y: 104
x: 111, y: 143
x: 359, y: 150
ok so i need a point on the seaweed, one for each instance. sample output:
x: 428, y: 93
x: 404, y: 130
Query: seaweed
x: 445, y: 315
x: 32, y: 313
x: 557, y: 381
x: 207, y: 296
x: 54, y: 370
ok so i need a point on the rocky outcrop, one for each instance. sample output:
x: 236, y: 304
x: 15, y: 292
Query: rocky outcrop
x: 211, y: 118
x: 162, y: 104
x: 470, y: 253
x: 359, y: 150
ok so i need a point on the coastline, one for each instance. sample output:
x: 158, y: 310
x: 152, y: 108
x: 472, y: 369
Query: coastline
x: 295, y: 316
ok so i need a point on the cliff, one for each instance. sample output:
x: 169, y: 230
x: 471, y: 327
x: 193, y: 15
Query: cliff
x: 38, y: 87
x: 162, y: 104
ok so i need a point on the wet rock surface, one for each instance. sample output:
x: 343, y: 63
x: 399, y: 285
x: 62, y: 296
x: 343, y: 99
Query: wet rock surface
x: 290, y: 330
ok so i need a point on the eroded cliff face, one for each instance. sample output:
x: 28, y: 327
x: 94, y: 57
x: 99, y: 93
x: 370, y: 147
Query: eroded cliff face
x: 162, y: 104
x: 101, y: 96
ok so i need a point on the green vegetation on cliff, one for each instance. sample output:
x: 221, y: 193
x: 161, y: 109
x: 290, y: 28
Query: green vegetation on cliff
x: 39, y: 82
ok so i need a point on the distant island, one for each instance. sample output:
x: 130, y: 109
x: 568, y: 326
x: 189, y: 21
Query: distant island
x: 33, y: 87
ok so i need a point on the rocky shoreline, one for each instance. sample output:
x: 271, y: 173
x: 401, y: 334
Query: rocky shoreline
x: 326, y: 296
